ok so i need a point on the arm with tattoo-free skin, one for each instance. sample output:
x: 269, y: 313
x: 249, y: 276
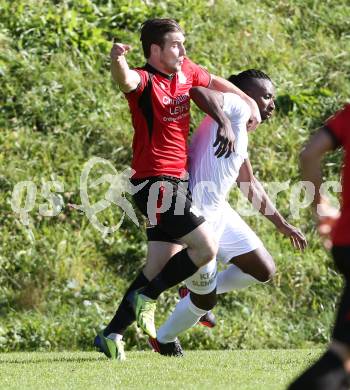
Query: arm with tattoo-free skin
x: 220, y: 84
x: 211, y: 102
x: 126, y: 78
x: 255, y: 193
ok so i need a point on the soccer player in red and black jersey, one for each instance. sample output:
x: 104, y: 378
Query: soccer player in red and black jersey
x: 159, y: 102
x: 331, y: 371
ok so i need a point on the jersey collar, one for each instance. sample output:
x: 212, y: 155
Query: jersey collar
x: 153, y: 70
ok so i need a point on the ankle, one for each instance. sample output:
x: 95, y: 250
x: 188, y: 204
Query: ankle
x: 115, y: 336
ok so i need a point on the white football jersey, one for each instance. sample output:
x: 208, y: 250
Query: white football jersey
x: 211, y: 178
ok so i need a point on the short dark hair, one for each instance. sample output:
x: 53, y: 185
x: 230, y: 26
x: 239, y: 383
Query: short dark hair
x: 241, y: 80
x: 154, y: 30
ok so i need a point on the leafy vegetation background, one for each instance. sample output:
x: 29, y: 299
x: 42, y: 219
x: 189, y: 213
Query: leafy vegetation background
x: 59, y: 108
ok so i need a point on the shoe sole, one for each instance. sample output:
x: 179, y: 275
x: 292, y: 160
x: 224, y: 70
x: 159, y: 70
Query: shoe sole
x: 152, y: 342
x: 207, y: 324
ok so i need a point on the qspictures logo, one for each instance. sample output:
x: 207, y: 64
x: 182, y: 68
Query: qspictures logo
x: 98, y: 174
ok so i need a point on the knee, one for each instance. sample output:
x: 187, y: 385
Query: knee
x: 209, y: 252
x: 206, y: 252
x: 204, y: 302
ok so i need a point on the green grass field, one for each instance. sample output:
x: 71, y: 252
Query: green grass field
x: 239, y: 370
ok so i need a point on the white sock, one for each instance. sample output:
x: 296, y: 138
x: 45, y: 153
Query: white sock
x: 185, y: 315
x: 233, y: 279
x: 115, y: 336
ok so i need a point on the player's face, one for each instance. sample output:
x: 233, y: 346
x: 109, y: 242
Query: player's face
x: 171, y: 56
x: 264, y: 95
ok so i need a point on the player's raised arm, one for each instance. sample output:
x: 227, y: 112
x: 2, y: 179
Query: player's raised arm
x: 211, y: 102
x: 255, y: 193
x: 127, y: 79
x: 222, y: 85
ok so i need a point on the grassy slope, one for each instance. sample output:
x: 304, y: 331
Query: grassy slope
x: 239, y: 370
x: 60, y: 109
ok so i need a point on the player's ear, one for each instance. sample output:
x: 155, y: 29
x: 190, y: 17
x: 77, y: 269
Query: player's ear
x: 154, y: 50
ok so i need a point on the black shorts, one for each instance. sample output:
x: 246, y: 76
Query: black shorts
x: 166, y: 203
x: 341, y: 256
x: 341, y: 331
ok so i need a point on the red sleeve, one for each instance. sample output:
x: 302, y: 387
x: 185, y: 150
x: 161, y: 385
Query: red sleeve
x: 201, y: 77
x: 339, y: 124
x: 144, y: 80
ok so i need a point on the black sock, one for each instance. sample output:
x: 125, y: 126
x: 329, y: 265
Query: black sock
x: 178, y: 268
x: 341, y: 331
x: 125, y: 316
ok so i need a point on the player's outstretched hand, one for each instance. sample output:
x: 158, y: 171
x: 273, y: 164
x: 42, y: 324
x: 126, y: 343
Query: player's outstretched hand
x: 255, y: 117
x: 326, y: 217
x: 119, y: 49
x: 295, y: 235
x: 224, y: 140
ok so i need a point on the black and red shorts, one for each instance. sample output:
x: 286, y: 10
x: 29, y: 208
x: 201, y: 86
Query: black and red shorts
x: 341, y: 331
x: 166, y: 203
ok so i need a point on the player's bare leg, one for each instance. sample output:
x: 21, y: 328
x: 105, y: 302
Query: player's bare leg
x: 257, y: 263
x: 158, y: 254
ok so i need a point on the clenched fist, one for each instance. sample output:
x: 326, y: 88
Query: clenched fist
x: 119, y: 49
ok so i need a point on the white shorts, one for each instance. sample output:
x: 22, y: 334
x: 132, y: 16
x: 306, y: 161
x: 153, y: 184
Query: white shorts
x: 234, y: 238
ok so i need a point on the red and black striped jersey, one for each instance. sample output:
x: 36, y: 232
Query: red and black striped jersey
x: 160, y: 111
